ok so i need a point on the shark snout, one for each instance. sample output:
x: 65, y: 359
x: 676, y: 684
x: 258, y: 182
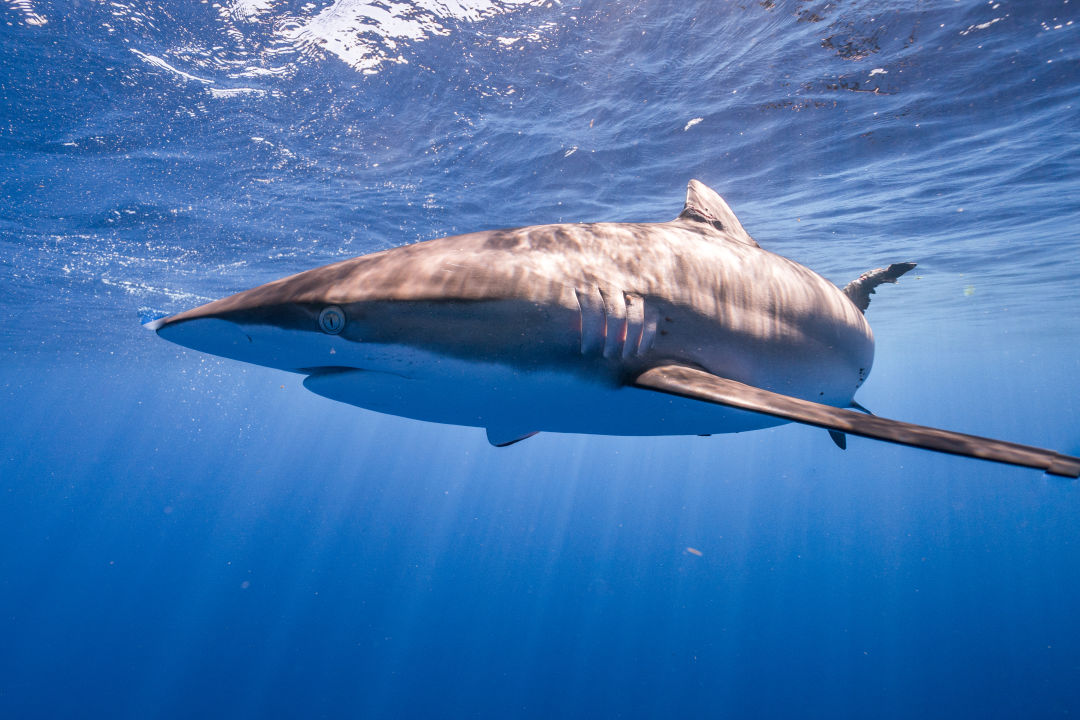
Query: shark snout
x: 288, y: 337
x: 209, y: 334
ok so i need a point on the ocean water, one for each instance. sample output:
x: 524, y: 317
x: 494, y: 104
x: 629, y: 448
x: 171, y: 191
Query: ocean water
x: 184, y: 536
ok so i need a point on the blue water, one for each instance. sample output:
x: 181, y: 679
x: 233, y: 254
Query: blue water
x: 185, y: 536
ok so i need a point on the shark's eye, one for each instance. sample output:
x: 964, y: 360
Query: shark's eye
x: 332, y: 320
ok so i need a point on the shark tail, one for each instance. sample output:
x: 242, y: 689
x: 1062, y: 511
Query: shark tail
x: 860, y: 289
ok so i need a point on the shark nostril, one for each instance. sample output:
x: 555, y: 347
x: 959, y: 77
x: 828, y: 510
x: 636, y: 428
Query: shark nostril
x: 332, y: 320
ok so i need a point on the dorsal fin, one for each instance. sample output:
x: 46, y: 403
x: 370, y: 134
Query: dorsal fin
x: 860, y: 289
x: 704, y: 205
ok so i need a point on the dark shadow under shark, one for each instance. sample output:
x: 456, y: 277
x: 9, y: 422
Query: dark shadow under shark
x: 680, y: 328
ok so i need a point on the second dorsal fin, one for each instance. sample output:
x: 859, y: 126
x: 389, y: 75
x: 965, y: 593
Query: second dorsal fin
x: 704, y: 205
x: 860, y: 289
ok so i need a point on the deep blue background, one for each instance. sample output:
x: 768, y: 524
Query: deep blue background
x: 183, y: 535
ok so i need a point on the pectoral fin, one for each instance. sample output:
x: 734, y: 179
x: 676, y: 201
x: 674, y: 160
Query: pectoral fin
x: 699, y: 385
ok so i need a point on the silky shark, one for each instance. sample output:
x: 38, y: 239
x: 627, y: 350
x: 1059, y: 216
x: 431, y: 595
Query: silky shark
x: 685, y: 327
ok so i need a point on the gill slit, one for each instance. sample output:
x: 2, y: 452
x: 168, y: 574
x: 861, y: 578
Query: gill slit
x: 614, y: 323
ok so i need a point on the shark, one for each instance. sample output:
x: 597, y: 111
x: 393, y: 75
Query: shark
x: 685, y: 327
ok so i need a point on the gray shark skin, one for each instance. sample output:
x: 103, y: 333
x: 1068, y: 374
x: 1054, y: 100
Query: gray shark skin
x: 686, y: 327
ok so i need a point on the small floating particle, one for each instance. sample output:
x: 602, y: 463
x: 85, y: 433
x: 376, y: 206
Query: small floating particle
x: 693, y: 551
x: 692, y: 123
x: 969, y: 290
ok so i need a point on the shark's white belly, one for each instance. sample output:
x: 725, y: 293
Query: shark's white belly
x: 512, y: 402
